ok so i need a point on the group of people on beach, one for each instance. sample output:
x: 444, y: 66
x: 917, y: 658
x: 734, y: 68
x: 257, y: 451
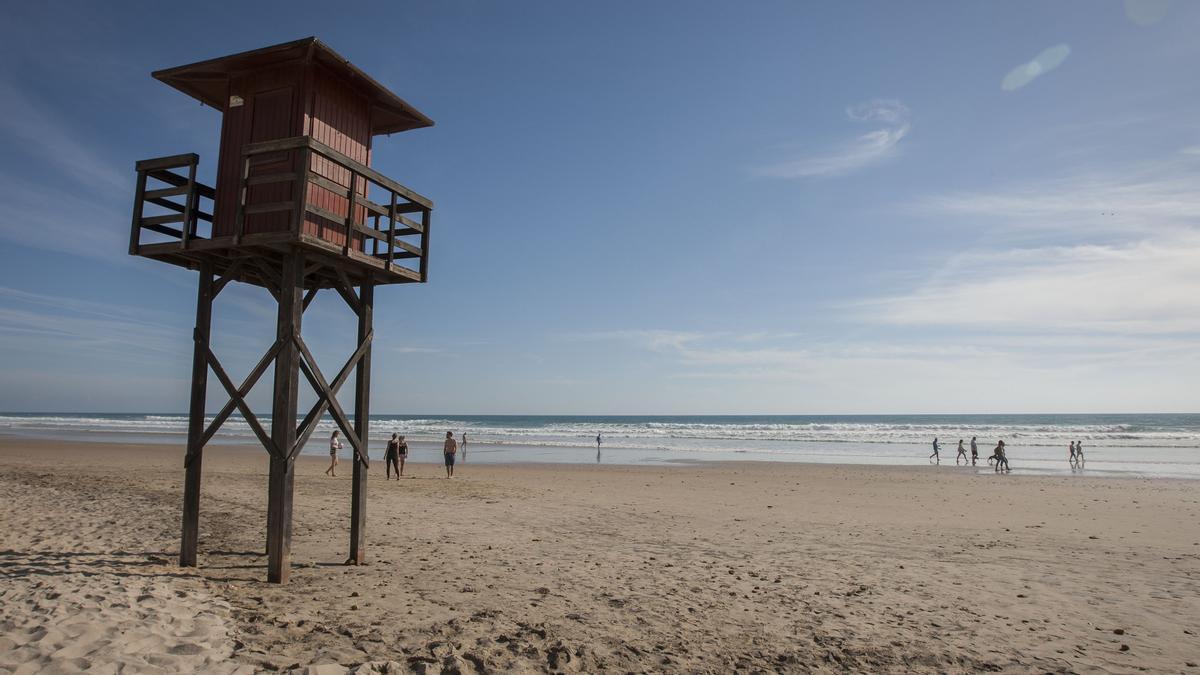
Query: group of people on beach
x: 397, y: 453
x: 999, y: 457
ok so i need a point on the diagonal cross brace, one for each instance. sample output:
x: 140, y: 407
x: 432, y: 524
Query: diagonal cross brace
x: 243, y: 390
x: 270, y: 278
x: 309, y: 424
x: 309, y: 365
x: 308, y: 297
x: 346, y: 290
x: 230, y: 275
x: 240, y: 401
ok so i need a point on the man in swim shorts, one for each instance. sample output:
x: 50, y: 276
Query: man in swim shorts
x: 449, y: 449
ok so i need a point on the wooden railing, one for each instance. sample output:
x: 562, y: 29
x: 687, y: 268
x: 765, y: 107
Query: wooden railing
x: 169, y: 184
x: 385, y: 223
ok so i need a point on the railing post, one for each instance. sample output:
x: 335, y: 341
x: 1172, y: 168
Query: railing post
x: 353, y: 201
x: 391, y: 241
x: 189, y: 205
x: 135, y: 231
x: 239, y: 221
x: 424, y: 245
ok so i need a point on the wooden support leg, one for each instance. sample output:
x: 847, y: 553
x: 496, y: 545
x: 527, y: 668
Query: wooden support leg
x: 279, y: 535
x: 362, y: 423
x: 189, y: 540
x: 283, y: 420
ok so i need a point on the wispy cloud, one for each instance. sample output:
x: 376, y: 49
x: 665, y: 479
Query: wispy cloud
x: 1023, y: 371
x: 55, y: 220
x: 647, y: 338
x: 866, y: 150
x: 417, y: 350
x: 45, y: 137
x: 1149, y: 196
x: 78, y: 214
x: 34, y: 321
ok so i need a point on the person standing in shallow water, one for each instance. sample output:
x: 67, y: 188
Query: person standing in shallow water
x: 962, y: 453
x: 936, y: 447
x: 335, y: 444
x: 449, y: 449
x: 974, y: 451
x: 463, y: 447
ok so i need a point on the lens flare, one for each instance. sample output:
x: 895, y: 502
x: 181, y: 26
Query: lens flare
x: 1043, y: 63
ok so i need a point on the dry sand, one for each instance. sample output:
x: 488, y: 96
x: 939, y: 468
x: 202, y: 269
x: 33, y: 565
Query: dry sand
x: 757, y: 567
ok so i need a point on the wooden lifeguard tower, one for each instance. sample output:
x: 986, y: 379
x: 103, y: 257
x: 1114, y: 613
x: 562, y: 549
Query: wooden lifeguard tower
x: 297, y: 208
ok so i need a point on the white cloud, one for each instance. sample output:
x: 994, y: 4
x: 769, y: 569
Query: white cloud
x: 1131, y: 263
x: 1149, y: 286
x: 868, y: 149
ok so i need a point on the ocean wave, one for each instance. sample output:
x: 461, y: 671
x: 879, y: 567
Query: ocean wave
x: 1172, y: 432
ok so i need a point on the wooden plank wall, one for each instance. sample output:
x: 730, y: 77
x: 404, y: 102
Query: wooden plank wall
x: 341, y: 119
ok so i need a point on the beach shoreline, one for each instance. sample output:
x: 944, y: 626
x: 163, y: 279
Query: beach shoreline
x: 1102, y: 462
x: 554, y: 567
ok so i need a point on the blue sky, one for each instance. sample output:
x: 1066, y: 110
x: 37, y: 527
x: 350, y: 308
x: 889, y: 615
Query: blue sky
x: 669, y: 207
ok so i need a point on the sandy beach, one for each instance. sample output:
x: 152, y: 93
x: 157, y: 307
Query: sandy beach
x: 690, y: 568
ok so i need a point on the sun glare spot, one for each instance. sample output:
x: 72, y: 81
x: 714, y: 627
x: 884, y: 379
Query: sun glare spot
x: 1146, y: 12
x: 1043, y: 63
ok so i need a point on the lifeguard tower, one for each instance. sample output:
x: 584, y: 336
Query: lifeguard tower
x: 297, y: 208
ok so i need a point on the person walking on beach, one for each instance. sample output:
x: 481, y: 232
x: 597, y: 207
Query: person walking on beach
x: 936, y: 447
x: 1079, y: 452
x: 402, y: 451
x: 1071, y: 450
x: 335, y: 444
x: 1001, y: 458
x: 449, y: 449
x: 392, y: 457
x: 962, y: 452
x: 974, y: 451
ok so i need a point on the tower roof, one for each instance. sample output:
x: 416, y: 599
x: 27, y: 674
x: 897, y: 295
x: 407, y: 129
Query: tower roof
x: 208, y: 81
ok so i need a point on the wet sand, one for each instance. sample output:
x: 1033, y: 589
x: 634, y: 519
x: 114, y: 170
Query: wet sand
x: 689, y: 568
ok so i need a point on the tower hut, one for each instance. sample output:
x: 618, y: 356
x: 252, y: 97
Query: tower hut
x: 296, y: 209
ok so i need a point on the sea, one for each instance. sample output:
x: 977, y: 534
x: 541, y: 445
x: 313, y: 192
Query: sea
x: 1146, y: 445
